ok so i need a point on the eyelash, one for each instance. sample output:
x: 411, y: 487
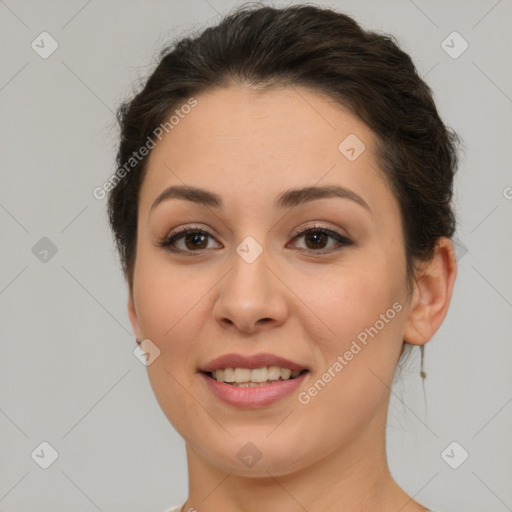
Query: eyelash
x: 174, y: 237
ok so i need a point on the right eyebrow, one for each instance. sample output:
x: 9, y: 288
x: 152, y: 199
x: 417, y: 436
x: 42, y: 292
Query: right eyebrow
x: 196, y: 195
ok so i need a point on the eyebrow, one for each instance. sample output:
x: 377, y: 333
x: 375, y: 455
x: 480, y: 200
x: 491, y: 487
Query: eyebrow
x: 288, y: 199
x: 295, y: 197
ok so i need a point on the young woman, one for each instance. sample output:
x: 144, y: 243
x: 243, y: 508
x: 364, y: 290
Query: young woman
x: 283, y: 214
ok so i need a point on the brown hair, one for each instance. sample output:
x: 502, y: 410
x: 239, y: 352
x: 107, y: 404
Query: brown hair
x: 327, y: 51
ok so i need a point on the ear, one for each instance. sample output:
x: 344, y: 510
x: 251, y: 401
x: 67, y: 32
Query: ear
x: 432, y: 294
x: 132, y: 313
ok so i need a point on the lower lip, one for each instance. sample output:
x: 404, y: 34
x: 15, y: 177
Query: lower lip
x: 255, y: 396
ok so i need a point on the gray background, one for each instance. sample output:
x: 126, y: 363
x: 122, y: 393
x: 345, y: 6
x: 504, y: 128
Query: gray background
x: 67, y: 369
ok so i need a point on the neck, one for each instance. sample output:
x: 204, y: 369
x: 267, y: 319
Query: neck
x: 355, y: 477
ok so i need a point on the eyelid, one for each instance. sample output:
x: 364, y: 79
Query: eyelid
x: 316, y: 226
x: 185, y: 229
x: 337, y: 232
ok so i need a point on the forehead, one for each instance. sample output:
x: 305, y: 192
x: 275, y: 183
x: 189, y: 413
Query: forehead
x: 237, y: 139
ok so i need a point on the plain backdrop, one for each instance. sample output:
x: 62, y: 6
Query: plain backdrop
x: 68, y: 374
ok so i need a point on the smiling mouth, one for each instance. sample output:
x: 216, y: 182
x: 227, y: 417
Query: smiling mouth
x: 247, y: 377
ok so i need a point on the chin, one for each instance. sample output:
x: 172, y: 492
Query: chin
x: 257, y: 456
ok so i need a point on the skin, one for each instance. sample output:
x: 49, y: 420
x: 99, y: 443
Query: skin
x: 293, y: 301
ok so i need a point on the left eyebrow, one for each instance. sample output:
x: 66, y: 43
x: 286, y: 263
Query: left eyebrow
x: 295, y: 197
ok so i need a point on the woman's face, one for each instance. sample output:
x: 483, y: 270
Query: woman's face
x: 246, y: 285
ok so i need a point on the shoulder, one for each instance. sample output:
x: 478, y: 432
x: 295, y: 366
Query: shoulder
x: 178, y: 509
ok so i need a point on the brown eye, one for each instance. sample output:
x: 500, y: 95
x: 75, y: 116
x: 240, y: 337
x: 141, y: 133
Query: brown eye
x: 196, y: 241
x: 316, y: 239
x: 322, y: 240
x: 187, y: 240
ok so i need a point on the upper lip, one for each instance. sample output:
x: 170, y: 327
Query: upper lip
x: 254, y: 361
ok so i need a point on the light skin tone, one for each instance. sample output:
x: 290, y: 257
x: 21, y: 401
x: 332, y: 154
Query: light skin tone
x: 305, y: 298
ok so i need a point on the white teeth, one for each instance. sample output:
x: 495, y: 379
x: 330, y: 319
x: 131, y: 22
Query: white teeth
x: 242, y: 375
x: 259, y: 375
x: 246, y: 377
x: 274, y: 372
x: 285, y: 373
x: 229, y: 375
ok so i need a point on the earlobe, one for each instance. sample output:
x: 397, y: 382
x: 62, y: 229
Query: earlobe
x: 432, y: 294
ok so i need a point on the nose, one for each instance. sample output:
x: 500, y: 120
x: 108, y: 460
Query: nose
x: 251, y: 297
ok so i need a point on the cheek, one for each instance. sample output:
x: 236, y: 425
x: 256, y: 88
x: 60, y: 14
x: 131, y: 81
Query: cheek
x: 171, y: 306
x: 348, y: 301
x: 364, y: 310
x: 366, y: 313
x: 168, y: 297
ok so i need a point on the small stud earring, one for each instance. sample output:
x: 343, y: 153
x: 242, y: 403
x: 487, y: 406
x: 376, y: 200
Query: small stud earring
x: 138, y: 341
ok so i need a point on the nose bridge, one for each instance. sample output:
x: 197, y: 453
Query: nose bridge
x: 250, y: 295
x: 250, y: 269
